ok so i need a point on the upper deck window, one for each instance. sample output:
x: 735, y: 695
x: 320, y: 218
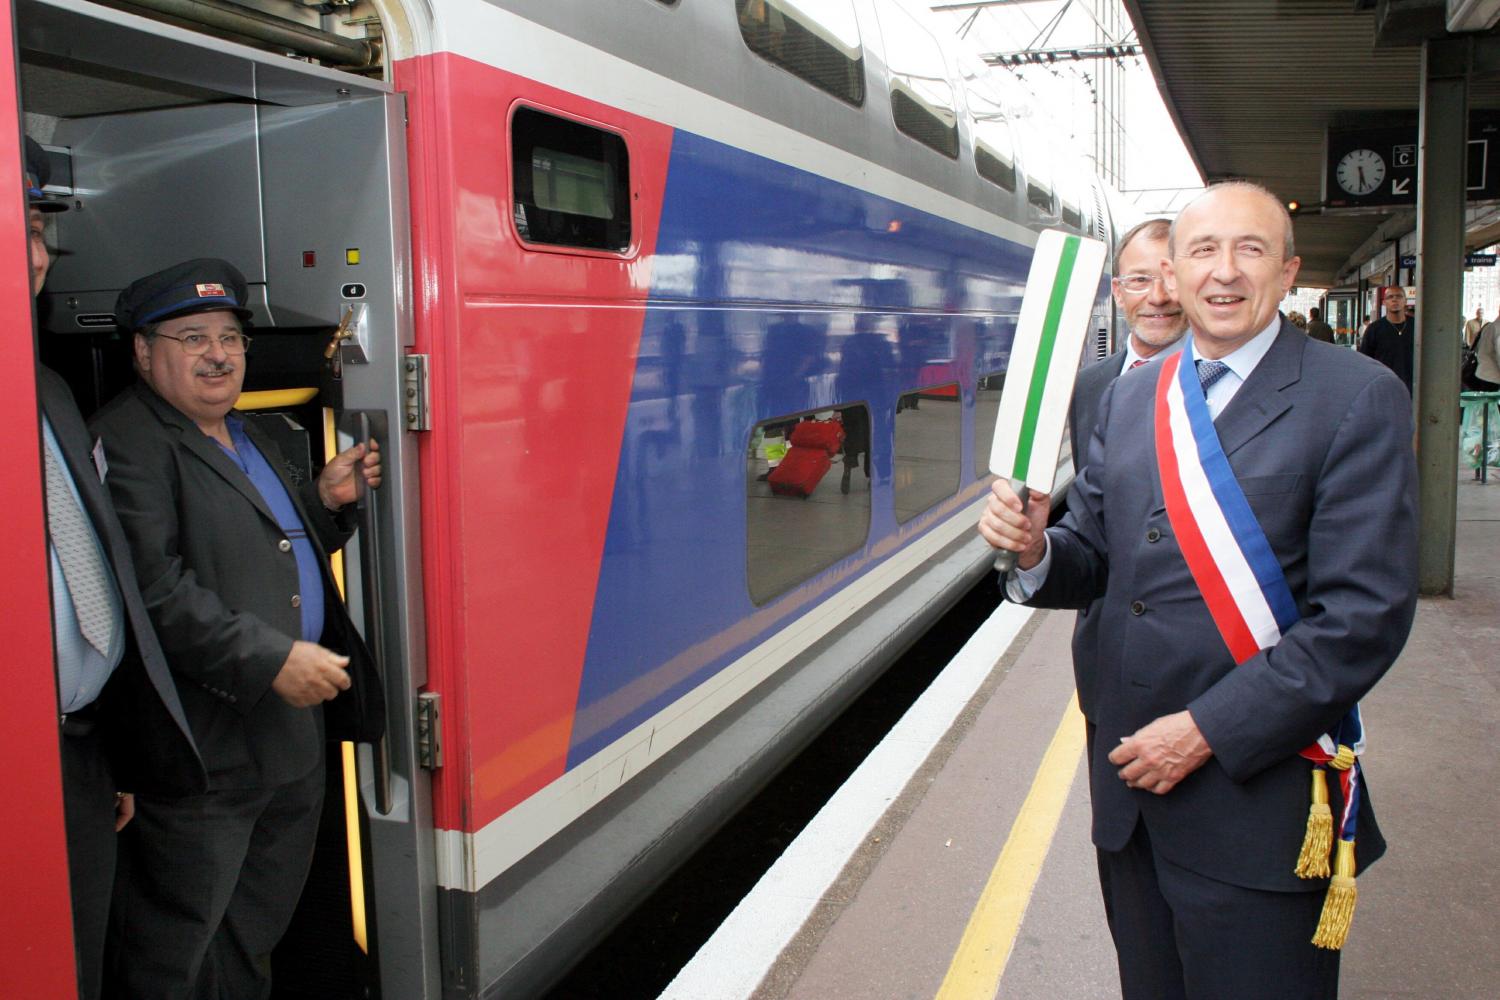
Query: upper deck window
x: 571, y: 182
x: 1039, y: 189
x: 817, y: 40
x: 921, y: 96
x: 995, y: 153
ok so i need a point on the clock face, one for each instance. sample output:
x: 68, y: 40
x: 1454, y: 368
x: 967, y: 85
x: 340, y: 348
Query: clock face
x: 1361, y: 171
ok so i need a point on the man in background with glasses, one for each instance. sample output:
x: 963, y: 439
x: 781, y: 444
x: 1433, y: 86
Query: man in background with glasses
x: 232, y: 556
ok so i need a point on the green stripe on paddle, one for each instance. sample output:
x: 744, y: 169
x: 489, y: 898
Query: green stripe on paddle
x: 1044, y: 355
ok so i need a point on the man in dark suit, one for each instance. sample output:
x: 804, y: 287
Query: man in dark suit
x: 232, y: 557
x: 122, y: 722
x: 1200, y: 798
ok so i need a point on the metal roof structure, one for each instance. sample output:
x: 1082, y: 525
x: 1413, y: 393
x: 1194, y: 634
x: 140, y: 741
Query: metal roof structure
x: 1253, y: 85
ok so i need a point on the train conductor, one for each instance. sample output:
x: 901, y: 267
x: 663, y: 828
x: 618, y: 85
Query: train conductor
x: 122, y: 721
x: 233, y: 561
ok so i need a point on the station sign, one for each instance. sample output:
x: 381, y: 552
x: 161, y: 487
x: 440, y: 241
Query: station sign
x: 1376, y: 167
x: 1471, y: 259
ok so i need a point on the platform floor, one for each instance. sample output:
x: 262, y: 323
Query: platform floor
x: 1428, y: 922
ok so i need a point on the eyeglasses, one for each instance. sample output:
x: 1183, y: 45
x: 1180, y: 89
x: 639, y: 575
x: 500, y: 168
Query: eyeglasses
x: 1136, y: 284
x: 195, y: 344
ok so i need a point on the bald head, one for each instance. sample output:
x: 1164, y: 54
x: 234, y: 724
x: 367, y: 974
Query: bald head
x: 1289, y: 248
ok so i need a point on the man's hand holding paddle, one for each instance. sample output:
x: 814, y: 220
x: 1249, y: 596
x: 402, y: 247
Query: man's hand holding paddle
x: 1006, y: 525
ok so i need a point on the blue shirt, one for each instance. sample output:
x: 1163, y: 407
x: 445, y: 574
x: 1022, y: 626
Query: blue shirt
x: 81, y: 671
x: 309, y: 575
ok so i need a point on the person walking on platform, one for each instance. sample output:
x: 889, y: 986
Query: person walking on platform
x: 1316, y: 328
x: 1472, y: 328
x: 122, y: 721
x: 1247, y: 514
x: 1390, y: 339
x: 1487, y: 359
x: 232, y: 556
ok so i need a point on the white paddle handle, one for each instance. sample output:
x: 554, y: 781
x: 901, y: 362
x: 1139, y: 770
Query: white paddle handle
x: 1006, y: 560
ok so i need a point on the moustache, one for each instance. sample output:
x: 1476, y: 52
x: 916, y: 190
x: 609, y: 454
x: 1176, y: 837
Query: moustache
x: 215, y: 368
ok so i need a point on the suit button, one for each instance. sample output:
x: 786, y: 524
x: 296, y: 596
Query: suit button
x: 284, y: 545
x: 1137, y: 608
x: 1154, y: 535
x: 296, y: 600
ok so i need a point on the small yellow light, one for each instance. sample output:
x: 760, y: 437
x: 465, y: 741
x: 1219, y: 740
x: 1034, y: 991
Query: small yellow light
x: 351, y: 255
x: 1293, y: 205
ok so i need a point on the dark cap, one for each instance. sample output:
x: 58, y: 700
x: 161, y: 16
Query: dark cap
x: 193, y: 286
x: 38, y: 173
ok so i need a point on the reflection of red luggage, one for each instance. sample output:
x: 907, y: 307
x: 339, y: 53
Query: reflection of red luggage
x: 825, y: 434
x: 800, y: 471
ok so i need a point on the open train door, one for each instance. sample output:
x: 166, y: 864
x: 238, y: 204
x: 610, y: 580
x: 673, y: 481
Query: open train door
x: 172, y: 144
x: 36, y: 930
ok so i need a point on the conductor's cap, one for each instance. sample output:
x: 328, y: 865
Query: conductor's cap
x: 194, y: 286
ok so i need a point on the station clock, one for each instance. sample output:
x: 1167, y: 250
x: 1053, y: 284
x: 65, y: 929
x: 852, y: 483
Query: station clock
x: 1360, y: 171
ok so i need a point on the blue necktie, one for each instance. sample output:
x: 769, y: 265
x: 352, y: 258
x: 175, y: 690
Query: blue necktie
x: 1210, y: 372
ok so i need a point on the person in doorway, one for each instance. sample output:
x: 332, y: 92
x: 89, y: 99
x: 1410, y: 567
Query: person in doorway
x: 232, y: 556
x: 1389, y: 339
x: 1200, y: 792
x: 122, y: 722
x: 1316, y: 328
x: 1486, y: 376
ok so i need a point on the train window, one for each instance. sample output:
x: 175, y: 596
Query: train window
x: 994, y: 155
x: 986, y: 408
x: 571, y: 182
x: 1039, y: 193
x: 807, y: 496
x: 929, y: 432
x: 922, y: 101
x: 1071, y: 214
x: 817, y: 41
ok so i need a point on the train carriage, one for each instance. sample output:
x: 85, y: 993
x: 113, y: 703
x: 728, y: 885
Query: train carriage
x: 597, y: 262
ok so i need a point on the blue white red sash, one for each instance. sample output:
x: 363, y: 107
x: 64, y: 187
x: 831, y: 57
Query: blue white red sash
x: 1227, y: 552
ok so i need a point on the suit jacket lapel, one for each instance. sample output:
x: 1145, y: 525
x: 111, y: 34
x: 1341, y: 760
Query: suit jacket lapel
x: 204, y: 448
x: 1260, y: 400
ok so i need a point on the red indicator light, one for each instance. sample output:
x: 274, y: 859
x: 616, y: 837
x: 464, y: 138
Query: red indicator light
x: 309, y: 258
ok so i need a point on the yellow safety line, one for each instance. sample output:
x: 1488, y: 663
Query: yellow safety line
x: 274, y: 399
x: 351, y: 775
x: 980, y: 960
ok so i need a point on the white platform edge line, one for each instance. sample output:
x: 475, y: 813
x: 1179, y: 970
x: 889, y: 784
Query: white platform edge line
x: 733, y: 962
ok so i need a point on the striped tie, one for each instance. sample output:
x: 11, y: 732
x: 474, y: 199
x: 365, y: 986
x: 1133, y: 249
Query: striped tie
x: 82, y: 564
x: 1137, y: 362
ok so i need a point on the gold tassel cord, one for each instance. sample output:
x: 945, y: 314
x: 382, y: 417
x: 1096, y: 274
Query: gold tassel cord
x: 1312, y: 861
x: 1338, y: 907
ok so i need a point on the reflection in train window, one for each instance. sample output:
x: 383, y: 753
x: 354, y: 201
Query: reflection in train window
x: 921, y: 97
x: 822, y: 48
x: 807, y: 496
x: 571, y: 182
x: 929, y: 428
x: 986, y: 408
x: 1072, y: 215
x: 1039, y: 193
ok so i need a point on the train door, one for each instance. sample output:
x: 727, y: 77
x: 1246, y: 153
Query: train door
x: 171, y: 145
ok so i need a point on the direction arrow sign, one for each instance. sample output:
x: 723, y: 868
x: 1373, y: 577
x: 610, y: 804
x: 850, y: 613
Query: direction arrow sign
x: 1401, y: 186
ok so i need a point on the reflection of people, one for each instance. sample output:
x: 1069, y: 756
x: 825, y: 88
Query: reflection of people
x: 121, y: 717
x: 1316, y: 328
x: 1389, y: 339
x: 233, y: 562
x: 1200, y: 797
x: 865, y: 364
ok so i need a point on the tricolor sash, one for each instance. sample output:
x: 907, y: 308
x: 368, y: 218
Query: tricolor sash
x: 1251, y: 605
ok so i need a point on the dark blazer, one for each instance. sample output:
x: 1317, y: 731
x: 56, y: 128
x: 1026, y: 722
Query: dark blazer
x: 151, y: 746
x: 1320, y: 441
x: 220, y: 581
x: 1088, y: 389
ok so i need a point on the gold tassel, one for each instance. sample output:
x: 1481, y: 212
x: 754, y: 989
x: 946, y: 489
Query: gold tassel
x: 1312, y: 861
x: 1338, y: 907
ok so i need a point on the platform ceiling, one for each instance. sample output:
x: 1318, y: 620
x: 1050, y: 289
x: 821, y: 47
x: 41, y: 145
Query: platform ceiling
x: 1253, y: 84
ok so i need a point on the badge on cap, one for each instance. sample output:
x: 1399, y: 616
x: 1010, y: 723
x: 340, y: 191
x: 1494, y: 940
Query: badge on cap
x: 211, y: 289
